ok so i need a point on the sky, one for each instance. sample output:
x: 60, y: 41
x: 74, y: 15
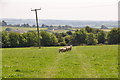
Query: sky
x: 101, y: 10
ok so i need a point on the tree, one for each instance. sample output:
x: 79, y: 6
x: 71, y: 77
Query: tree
x: 45, y: 40
x: 79, y: 37
x: 54, y: 40
x: 22, y: 40
x: 89, y: 30
x: 43, y: 26
x: 8, y: 29
x: 14, y: 39
x: 101, y: 37
x: 5, y: 39
x: 103, y: 27
x: 31, y: 38
x: 48, y: 39
x: 61, y: 39
x: 33, y: 26
x: 62, y: 43
x: 113, y: 36
x: 69, y: 32
x: 63, y: 34
x: 4, y: 23
x: 91, y: 39
x: 97, y: 30
x: 68, y: 39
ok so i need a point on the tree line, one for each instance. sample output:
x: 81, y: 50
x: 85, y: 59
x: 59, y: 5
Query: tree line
x: 4, y: 23
x: 84, y: 36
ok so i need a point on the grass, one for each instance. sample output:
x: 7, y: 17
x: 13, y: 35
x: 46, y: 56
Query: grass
x: 106, y: 30
x: 47, y: 62
x: 33, y: 29
x: 24, y: 28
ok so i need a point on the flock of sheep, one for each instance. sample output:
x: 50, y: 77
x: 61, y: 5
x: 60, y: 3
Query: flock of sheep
x: 65, y: 48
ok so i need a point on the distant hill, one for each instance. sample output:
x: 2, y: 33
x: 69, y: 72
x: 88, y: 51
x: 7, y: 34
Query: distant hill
x: 74, y: 23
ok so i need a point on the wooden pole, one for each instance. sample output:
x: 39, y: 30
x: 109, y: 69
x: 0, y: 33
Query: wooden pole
x: 37, y: 27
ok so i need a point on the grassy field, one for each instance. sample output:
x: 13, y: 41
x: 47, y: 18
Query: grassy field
x: 34, y: 29
x: 47, y: 62
x: 24, y: 28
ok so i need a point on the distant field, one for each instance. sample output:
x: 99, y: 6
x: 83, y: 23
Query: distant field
x: 58, y: 31
x: 34, y: 29
x: 47, y: 62
x: 24, y: 28
x: 107, y: 30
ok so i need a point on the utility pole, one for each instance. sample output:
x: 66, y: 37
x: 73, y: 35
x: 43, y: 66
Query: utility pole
x: 37, y: 26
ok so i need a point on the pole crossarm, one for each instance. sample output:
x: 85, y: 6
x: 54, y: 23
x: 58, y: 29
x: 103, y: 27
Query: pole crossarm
x: 35, y: 9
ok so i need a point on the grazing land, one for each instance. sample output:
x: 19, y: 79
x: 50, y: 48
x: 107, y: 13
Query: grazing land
x: 99, y: 61
x: 24, y: 28
x: 46, y: 29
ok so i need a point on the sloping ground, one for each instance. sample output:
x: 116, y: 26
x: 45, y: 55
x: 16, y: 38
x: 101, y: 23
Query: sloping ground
x: 47, y: 62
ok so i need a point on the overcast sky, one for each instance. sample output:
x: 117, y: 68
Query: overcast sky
x: 60, y: 9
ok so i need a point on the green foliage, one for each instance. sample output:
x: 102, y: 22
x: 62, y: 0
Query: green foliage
x: 86, y: 35
x: 5, y: 39
x: 89, y: 30
x: 63, y: 34
x: 101, y: 37
x: 69, y: 32
x: 48, y: 39
x: 97, y: 30
x: 68, y: 39
x: 92, y: 30
x: 79, y: 37
x: 54, y: 40
x: 45, y: 41
x: 113, y: 36
x: 14, y: 39
x: 22, y: 40
x: 61, y: 39
x: 62, y: 43
x: 30, y: 38
x: 91, y: 39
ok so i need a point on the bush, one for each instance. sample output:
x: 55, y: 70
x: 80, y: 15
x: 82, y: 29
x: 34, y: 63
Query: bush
x: 79, y: 37
x: 101, y: 37
x: 8, y: 29
x: 91, y: 39
x: 113, y: 36
x: 62, y: 44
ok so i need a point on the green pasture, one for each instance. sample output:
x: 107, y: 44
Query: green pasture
x: 24, y: 28
x: 99, y: 61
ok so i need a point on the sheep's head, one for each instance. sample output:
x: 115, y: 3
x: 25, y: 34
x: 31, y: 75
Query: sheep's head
x: 71, y: 45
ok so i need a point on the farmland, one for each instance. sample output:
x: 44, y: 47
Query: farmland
x: 34, y: 29
x: 98, y: 61
x: 24, y: 28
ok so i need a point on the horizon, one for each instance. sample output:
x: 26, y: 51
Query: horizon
x: 56, y: 19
